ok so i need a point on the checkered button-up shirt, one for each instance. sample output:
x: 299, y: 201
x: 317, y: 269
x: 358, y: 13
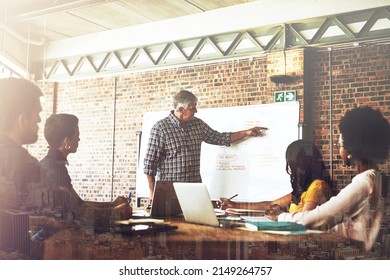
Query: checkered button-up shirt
x: 173, y: 152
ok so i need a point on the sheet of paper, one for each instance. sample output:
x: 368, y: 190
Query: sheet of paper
x: 140, y: 221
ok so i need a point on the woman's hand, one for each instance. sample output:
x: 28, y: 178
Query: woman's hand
x: 273, y: 212
x: 225, y: 203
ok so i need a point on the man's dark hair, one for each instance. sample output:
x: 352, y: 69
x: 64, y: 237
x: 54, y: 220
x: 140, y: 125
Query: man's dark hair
x: 366, y: 134
x: 16, y: 97
x: 58, y: 127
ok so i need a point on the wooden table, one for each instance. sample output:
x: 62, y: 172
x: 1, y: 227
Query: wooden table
x: 189, y: 241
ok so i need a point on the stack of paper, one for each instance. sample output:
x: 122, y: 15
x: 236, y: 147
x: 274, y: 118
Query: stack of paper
x: 146, y: 221
x: 244, y: 212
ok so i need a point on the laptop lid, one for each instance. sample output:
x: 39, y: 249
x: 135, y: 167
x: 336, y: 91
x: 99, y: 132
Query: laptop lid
x: 195, y: 202
x: 165, y: 203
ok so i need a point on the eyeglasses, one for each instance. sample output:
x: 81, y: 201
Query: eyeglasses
x: 191, y: 108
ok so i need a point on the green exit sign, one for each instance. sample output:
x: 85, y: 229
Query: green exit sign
x: 285, y: 96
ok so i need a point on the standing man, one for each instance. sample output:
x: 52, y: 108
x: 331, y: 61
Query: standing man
x: 174, y: 147
x: 20, y: 107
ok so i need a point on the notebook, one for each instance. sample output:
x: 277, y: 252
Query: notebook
x: 195, y: 202
x: 165, y: 203
x: 275, y: 226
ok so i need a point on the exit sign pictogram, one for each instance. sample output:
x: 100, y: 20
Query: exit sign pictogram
x: 285, y: 96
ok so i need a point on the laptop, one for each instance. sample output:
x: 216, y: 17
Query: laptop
x: 195, y: 202
x: 165, y: 203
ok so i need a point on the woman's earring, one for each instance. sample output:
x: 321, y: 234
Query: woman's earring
x: 67, y: 147
x: 348, y: 161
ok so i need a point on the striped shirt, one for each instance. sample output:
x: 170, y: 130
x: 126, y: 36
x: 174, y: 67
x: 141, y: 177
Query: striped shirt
x: 173, y: 151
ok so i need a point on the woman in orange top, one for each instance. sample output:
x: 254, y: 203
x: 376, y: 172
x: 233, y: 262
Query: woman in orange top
x: 317, y: 193
x: 306, y: 169
x: 305, y: 166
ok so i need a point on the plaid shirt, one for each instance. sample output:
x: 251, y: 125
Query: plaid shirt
x: 173, y: 152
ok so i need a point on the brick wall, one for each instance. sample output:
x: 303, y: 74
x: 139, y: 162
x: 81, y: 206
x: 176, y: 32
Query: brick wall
x: 360, y: 76
x: 106, y: 161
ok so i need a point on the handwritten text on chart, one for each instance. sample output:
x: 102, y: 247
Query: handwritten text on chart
x: 225, y: 161
x: 227, y: 157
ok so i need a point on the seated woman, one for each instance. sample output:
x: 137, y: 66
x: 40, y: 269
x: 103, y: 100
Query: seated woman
x: 62, y: 134
x: 306, y: 169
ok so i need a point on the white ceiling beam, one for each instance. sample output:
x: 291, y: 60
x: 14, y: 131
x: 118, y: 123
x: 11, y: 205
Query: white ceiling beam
x: 240, y: 17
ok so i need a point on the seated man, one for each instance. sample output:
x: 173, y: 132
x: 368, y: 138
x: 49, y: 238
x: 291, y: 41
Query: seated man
x: 20, y: 177
x: 63, y: 136
x: 23, y: 191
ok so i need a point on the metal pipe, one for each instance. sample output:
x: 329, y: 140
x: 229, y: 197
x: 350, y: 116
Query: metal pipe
x: 330, y: 113
x: 113, y: 139
x: 139, y: 137
x: 55, y: 97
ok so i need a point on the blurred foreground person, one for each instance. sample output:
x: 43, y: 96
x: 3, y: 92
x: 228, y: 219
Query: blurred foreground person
x: 20, y: 177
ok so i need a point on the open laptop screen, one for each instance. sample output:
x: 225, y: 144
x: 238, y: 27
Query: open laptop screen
x: 196, y: 204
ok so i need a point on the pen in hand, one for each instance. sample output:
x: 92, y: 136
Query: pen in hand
x: 224, y: 200
x: 258, y: 131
